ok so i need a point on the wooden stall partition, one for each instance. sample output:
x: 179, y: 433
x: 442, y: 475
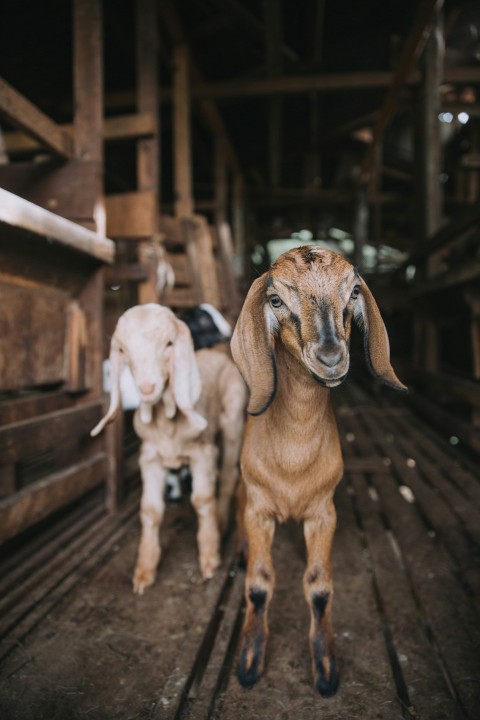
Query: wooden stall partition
x: 52, y: 253
x: 50, y: 371
x: 445, y: 367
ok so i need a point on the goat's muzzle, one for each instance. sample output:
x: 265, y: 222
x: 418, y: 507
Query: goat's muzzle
x: 327, y: 363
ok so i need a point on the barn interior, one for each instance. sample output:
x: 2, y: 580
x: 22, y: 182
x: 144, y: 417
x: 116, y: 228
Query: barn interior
x: 168, y: 152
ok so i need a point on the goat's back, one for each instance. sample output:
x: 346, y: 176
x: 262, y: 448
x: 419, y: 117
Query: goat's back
x: 224, y: 395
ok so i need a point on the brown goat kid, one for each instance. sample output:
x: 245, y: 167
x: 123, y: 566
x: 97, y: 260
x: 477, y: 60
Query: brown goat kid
x: 291, y: 345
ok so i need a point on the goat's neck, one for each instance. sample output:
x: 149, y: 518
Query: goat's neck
x: 298, y: 395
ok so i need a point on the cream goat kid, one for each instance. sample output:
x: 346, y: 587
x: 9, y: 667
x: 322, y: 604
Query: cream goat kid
x: 187, y: 398
x: 291, y: 345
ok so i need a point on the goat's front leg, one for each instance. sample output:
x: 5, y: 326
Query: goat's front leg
x: 203, y: 467
x: 259, y: 586
x: 152, y: 507
x: 318, y: 587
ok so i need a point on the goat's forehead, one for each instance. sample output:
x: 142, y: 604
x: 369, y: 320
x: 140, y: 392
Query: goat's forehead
x: 311, y: 269
x: 148, y: 323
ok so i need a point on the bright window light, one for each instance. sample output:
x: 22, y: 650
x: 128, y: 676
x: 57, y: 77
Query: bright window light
x: 445, y: 117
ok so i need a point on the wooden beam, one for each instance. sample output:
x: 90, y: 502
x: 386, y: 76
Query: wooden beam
x: 251, y: 24
x: 294, y: 84
x: 199, y: 248
x: 131, y: 214
x: 319, y: 82
x: 35, y: 502
x: 18, y: 213
x: 24, y: 115
x: 428, y: 144
x: 466, y: 220
x: 466, y: 272
x: 327, y: 196
x: 148, y: 150
x: 273, y: 35
x: 414, y: 45
x: 122, y: 127
x: 182, y: 132
x: 88, y: 95
x: 125, y: 272
x: 148, y: 160
x: 207, y: 106
x: 221, y: 182
x: 238, y: 224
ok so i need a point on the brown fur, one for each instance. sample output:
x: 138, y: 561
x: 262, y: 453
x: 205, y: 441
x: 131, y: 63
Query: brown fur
x: 291, y: 459
x: 187, y: 399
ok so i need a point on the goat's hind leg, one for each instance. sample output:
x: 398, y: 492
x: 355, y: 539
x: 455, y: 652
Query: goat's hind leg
x: 318, y: 589
x: 152, y: 507
x: 258, y: 593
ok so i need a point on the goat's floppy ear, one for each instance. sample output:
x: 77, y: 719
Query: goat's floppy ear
x: 116, y: 367
x: 185, y: 384
x: 252, y: 348
x: 377, y: 347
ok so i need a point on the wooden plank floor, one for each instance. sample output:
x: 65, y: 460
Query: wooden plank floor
x: 75, y: 642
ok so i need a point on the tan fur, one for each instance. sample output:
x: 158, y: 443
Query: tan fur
x: 187, y: 399
x: 291, y: 459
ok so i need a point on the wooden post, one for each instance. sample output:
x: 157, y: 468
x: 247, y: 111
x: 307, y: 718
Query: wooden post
x: 238, y: 201
x: 182, y: 132
x: 429, y: 193
x: 88, y: 94
x: 148, y: 160
x: 273, y: 38
x: 360, y: 222
x: 148, y: 151
x: 375, y: 187
x: 428, y: 145
x: 312, y: 160
x: 221, y: 182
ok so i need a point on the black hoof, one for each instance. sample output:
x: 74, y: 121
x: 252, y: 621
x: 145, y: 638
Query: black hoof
x: 248, y: 676
x: 327, y: 687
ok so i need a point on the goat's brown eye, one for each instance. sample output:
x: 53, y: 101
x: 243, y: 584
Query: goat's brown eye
x: 275, y: 301
x: 356, y: 292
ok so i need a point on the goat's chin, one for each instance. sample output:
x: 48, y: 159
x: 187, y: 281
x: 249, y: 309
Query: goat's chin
x: 330, y: 382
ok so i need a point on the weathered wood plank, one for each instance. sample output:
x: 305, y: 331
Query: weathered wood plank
x: 25, y: 439
x: 27, y: 507
x: 32, y: 337
x: 23, y: 114
x: 453, y: 516
x: 452, y: 464
x: 131, y: 214
x: 183, y: 180
x: 172, y: 232
x: 19, y: 213
x: 456, y: 635
x: 79, y: 561
x: 226, y: 270
x: 426, y: 692
x: 65, y: 189
x: 205, y: 699
x: 202, y: 261
x: 125, y: 272
x: 15, y: 410
x: 121, y: 127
